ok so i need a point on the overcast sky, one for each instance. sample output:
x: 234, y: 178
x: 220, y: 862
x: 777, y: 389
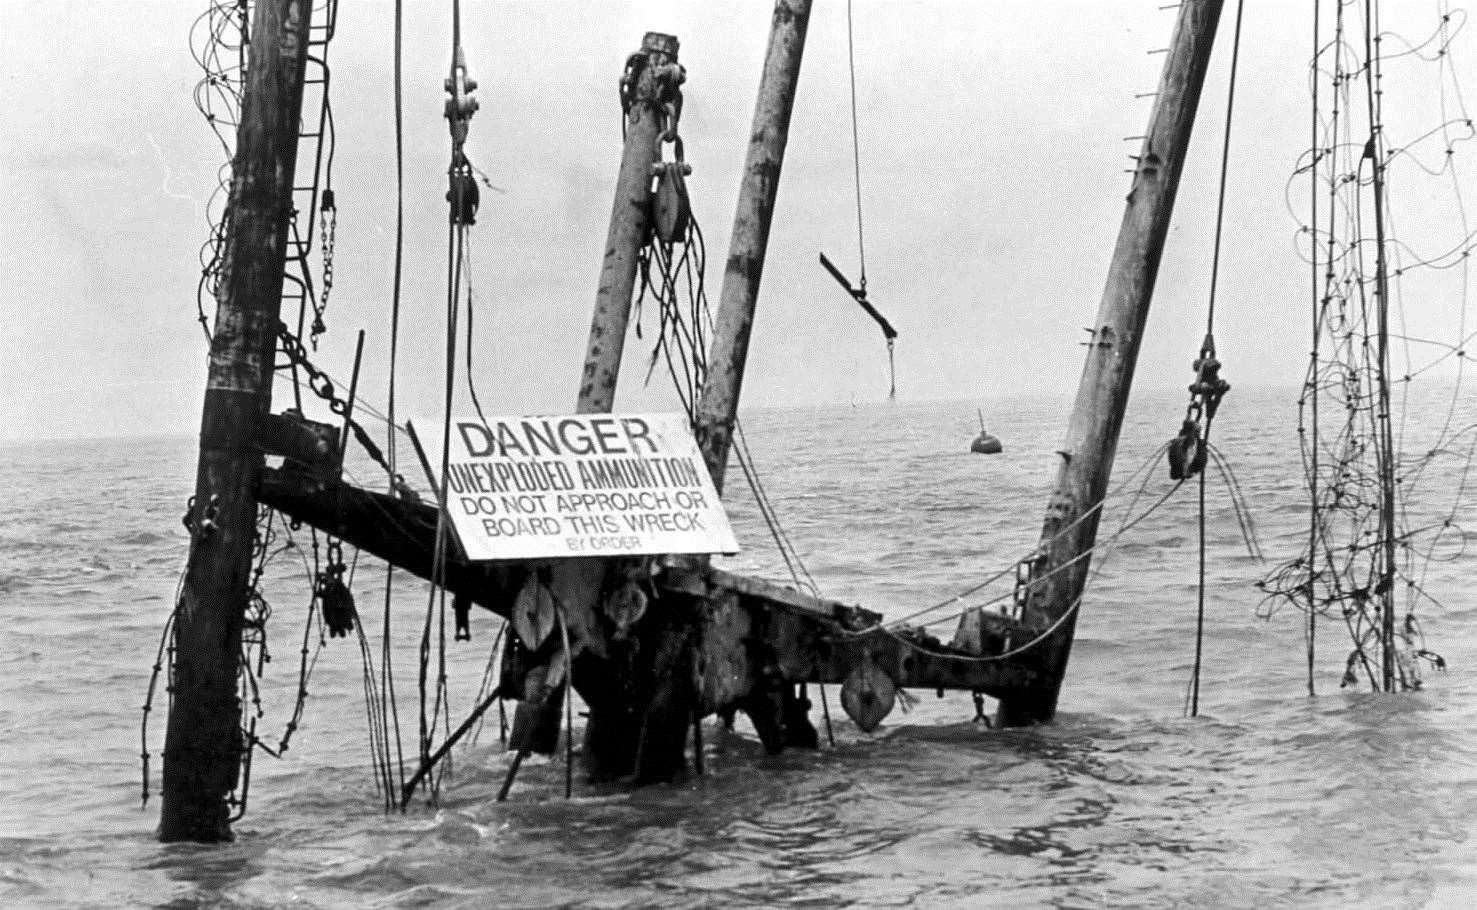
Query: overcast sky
x: 993, y: 167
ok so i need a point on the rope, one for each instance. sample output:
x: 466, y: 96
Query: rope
x: 387, y: 680
x: 856, y: 155
x: 1143, y: 467
x: 1220, y: 205
x: 376, y: 719
x: 673, y: 278
x: 436, y: 603
x: 1310, y: 634
x: 215, y: 36
x: 1215, y: 268
x: 465, y: 267
x: 682, y: 342
x: 166, y: 644
x: 1104, y: 547
x: 1385, y: 451
x: 787, y: 550
x: 891, y: 626
x: 568, y: 683
x: 463, y: 197
x: 408, y: 789
x: 861, y: 244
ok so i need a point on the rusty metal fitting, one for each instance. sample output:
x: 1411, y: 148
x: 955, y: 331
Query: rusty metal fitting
x: 658, y: 43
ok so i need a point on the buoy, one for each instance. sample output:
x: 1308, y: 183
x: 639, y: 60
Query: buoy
x: 984, y: 444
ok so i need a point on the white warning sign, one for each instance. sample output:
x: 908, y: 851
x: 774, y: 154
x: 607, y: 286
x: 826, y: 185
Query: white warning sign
x: 579, y: 485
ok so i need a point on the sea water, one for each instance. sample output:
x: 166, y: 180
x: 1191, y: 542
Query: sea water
x: 1268, y: 798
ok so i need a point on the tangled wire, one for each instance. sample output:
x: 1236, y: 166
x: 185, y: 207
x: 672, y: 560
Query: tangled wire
x: 1365, y: 562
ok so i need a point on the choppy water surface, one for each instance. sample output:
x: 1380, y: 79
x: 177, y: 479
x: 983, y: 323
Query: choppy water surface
x: 1269, y: 798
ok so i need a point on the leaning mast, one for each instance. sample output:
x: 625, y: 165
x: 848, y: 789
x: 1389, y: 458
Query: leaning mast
x: 1059, y: 572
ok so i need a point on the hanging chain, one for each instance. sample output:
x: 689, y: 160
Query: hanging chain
x: 328, y: 228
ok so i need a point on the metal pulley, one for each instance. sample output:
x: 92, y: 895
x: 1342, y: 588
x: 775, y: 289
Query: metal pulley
x: 335, y: 601
x: 651, y: 83
x: 460, y: 105
x: 671, y: 211
x: 1188, y: 450
x: 337, y: 605
x: 1208, y: 386
x: 462, y: 192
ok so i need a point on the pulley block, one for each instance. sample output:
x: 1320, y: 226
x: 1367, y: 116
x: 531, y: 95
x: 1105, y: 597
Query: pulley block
x: 671, y: 208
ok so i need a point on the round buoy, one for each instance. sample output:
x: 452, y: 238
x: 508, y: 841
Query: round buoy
x: 985, y: 444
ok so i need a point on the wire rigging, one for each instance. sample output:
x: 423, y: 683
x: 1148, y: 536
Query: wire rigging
x: 1366, y: 562
x: 859, y: 291
x: 220, y: 46
x: 1310, y: 452
x: 671, y: 273
x: 1209, y: 388
x: 856, y: 157
x: 463, y: 198
x: 394, y: 480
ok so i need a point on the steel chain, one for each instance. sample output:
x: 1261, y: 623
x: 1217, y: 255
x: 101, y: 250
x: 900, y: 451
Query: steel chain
x: 328, y: 224
x: 323, y: 387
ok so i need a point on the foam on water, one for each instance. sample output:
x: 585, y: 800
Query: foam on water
x: 1269, y: 798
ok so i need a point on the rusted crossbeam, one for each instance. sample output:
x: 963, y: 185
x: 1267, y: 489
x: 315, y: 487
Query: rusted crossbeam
x: 754, y: 632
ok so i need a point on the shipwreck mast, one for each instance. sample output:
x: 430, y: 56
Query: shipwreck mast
x: 718, y: 406
x: 1059, y: 573
x: 619, y: 712
x: 651, y: 80
x: 637, y: 725
x: 204, y: 742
